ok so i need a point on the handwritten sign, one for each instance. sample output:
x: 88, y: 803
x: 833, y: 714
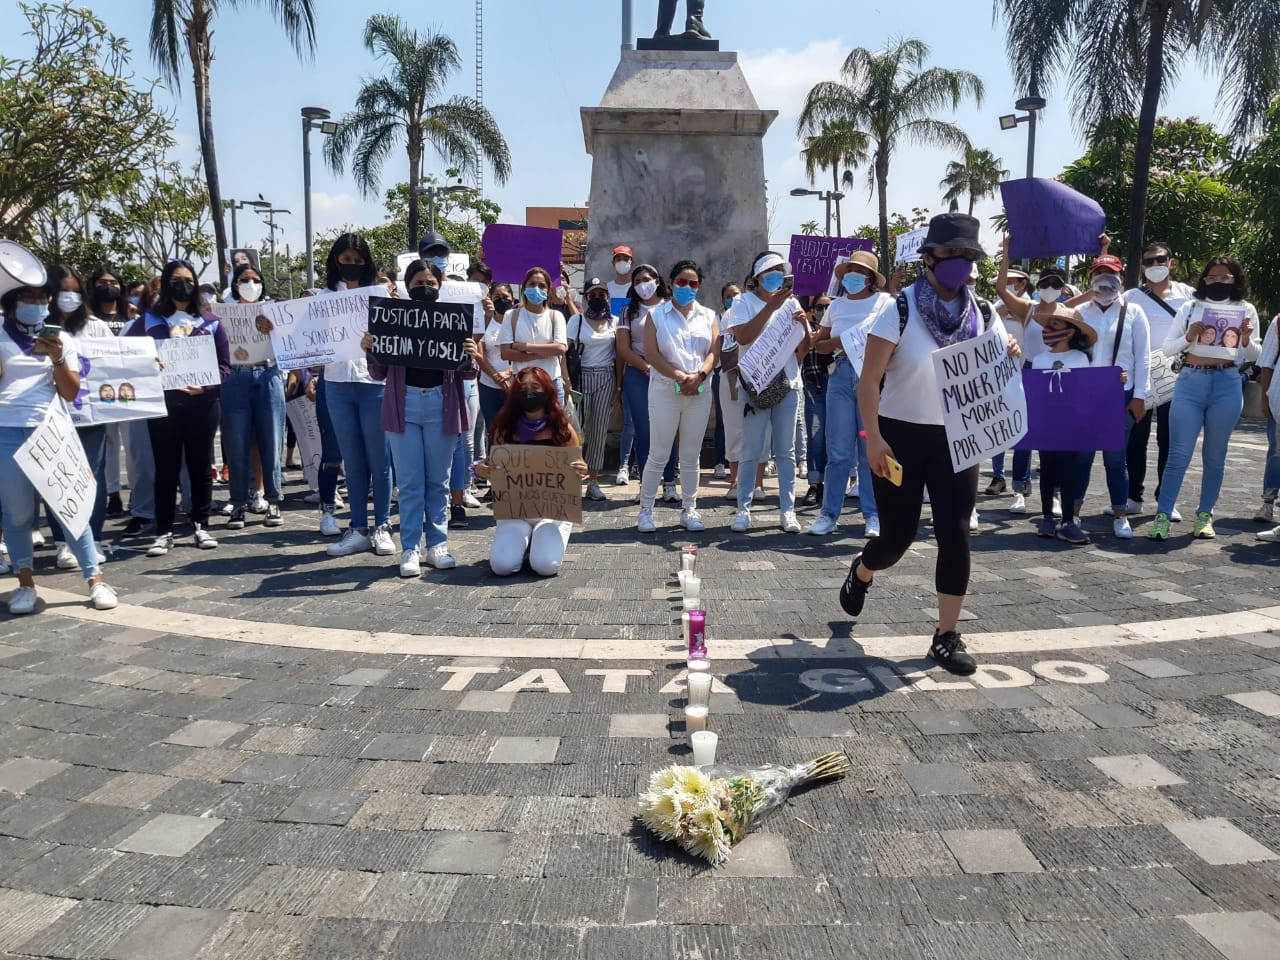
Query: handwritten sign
x: 1163, y: 380
x: 426, y: 336
x: 1077, y: 409
x: 854, y: 341
x: 459, y: 264
x: 1048, y: 218
x: 54, y: 461
x: 1221, y: 335
x: 306, y: 427
x: 240, y: 321
x: 908, y: 245
x: 188, y: 362
x: 120, y: 381
x: 536, y: 483
x: 460, y: 291
x: 769, y: 352
x: 983, y: 406
x: 511, y: 251
x: 312, y: 331
x: 813, y: 259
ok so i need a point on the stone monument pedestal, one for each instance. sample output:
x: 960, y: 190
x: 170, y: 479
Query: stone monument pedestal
x: 677, y: 146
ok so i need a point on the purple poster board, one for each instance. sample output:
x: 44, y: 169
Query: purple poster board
x: 512, y: 250
x: 1049, y: 219
x: 813, y: 259
x: 1080, y: 409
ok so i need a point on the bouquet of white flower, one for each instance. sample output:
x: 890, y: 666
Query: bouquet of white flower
x: 708, y: 809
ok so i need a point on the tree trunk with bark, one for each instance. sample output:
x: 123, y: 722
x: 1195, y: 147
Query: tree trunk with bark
x: 882, y: 190
x: 200, y: 49
x: 414, y: 149
x: 1152, y: 83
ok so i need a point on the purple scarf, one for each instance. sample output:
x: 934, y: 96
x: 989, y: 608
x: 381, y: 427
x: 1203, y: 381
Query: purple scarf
x: 26, y: 343
x: 527, y: 429
x: 946, y: 328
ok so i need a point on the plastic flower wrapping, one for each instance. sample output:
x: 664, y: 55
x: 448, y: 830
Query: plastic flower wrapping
x: 706, y: 810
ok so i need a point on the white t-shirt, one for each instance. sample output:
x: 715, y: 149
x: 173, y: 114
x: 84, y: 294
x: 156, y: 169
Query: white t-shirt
x: 493, y: 353
x: 845, y: 314
x: 683, y: 343
x: 598, y: 346
x: 745, y: 309
x: 1158, y: 318
x: 521, y: 326
x: 351, y: 371
x: 635, y: 328
x: 26, y: 382
x: 1271, y: 348
x: 618, y: 289
x: 1066, y: 360
x: 1175, y: 342
x: 1134, y: 355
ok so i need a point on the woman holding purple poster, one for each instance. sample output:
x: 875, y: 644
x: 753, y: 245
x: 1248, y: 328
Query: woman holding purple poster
x: 1213, y: 334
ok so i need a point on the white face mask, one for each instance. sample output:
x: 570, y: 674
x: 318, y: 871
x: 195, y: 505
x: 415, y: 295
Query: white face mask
x: 69, y: 301
x: 1156, y: 274
x: 559, y: 292
x: 621, y: 267
x: 646, y: 288
x: 208, y: 299
x: 1106, y: 292
x: 250, y: 291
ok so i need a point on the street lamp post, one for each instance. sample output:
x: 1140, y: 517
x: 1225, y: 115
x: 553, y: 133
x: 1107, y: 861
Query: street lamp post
x: 432, y: 191
x: 271, y: 225
x: 827, y: 196
x: 313, y: 118
x: 233, y: 206
x: 1032, y: 105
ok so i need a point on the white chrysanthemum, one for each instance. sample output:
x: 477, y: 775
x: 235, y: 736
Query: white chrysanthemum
x: 662, y: 813
x: 692, y: 782
x: 707, y: 839
x: 663, y: 779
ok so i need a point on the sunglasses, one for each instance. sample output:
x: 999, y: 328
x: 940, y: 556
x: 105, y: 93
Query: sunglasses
x: 186, y: 263
x: 1154, y: 261
x: 691, y: 284
x: 1055, y: 284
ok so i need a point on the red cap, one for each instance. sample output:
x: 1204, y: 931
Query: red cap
x: 623, y: 251
x: 1108, y: 261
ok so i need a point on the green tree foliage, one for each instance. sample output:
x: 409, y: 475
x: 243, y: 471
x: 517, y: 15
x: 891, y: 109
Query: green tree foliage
x: 837, y: 148
x: 1258, y: 174
x: 978, y: 175
x: 162, y: 213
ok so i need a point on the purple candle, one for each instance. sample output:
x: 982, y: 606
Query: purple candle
x: 697, y: 635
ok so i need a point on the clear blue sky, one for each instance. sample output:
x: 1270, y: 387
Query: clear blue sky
x: 541, y: 69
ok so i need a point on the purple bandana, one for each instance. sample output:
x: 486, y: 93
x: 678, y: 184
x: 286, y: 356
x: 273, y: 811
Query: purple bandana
x: 946, y: 328
x: 527, y: 429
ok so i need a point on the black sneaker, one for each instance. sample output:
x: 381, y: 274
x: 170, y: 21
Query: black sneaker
x: 458, y: 517
x: 813, y: 495
x: 138, y: 526
x: 853, y: 595
x: 114, y: 507
x: 273, y: 518
x: 948, y: 652
x: 236, y: 520
x: 997, y: 485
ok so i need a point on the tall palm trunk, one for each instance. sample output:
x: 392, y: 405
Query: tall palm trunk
x: 200, y: 48
x: 835, y: 188
x: 1152, y: 83
x: 414, y: 147
x: 972, y: 200
x: 882, y: 190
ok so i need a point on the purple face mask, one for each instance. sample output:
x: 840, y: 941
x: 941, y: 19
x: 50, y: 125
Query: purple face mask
x: 952, y: 272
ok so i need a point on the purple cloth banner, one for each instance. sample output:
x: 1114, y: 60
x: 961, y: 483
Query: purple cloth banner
x: 1080, y: 409
x: 813, y: 259
x: 512, y: 250
x: 1049, y: 219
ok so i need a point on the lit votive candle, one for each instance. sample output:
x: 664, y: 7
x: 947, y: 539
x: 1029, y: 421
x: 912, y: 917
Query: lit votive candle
x: 692, y: 587
x: 689, y: 559
x: 699, y: 689
x: 684, y: 626
x: 695, y: 718
x: 704, y: 747
x: 699, y: 666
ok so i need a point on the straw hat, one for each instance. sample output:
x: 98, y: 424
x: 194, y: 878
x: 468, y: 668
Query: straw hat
x: 861, y: 258
x: 1049, y: 311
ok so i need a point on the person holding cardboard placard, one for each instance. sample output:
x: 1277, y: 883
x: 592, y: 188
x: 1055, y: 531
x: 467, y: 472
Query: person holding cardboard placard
x: 1213, y: 334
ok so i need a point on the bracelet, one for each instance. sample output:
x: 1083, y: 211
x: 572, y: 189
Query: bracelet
x: 60, y: 363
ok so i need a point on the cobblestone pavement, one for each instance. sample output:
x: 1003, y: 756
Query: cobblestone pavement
x: 1108, y: 785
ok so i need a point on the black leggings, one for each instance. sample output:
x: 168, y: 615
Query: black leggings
x: 1136, y: 455
x: 1059, y: 471
x: 185, y: 434
x: 923, y: 451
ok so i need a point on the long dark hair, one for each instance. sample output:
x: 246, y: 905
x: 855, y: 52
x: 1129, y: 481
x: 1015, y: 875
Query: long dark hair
x: 75, y: 321
x: 504, y: 424
x: 241, y: 271
x: 1239, y: 291
x: 349, y: 241
x: 415, y: 267
x: 122, y: 301
x: 163, y: 306
x: 632, y: 309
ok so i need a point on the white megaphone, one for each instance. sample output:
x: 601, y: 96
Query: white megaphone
x: 19, y: 267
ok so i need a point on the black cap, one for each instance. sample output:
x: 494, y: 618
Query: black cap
x: 592, y: 284
x: 958, y: 230
x: 432, y: 240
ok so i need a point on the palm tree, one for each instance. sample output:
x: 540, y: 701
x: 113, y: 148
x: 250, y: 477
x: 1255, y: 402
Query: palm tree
x: 185, y: 27
x: 460, y: 129
x: 888, y: 96
x: 1096, y: 41
x: 836, y: 146
x: 978, y: 175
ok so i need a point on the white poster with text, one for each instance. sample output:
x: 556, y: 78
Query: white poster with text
x: 189, y: 362
x: 240, y: 321
x: 313, y: 331
x: 54, y: 462
x: 120, y: 381
x: 983, y: 406
x: 769, y: 352
x: 306, y: 427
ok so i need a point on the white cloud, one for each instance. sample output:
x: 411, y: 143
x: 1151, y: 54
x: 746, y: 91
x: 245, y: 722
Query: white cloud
x: 782, y: 78
x: 333, y: 208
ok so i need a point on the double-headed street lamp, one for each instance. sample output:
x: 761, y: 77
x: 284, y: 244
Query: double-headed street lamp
x: 827, y: 195
x: 1032, y: 105
x: 270, y: 213
x: 233, y: 206
x: 313, y: 118
x: 432, y: 191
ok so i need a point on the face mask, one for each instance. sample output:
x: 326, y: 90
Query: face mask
x: 1156, y: 274
x: 646, y: 289
x: 350, y: 272
x: 441, y: 262
x: 1106, y: 291
x: 622, y: 267
x: 685, y: 295
x: 107, y: 292
x: 853, y: 282
x: 728, y: 303
x: 69, y: 302
x: 135, y: 300
x: 771, y: 282
x: 502, y: 305
x: 250, y: 291
x: 531, y: 400
x: 182, y: 290
x: 535, y: 295
x: 1052, y: 338
x: 952, y: 273
x: 598, y: 304
x: 208, y: 299
x: 425, y: 294
x: 1219, y: 291
x: 1012, y: 291
x: 31, y: 315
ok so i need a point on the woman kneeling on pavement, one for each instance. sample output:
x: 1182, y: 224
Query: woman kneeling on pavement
x: 532, y: 416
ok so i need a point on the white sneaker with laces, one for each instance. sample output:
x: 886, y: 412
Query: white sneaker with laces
x: 720, y: 472
x: 162, y: 545
x: 23, y: 602
x: 352, y: 542
x: 691, y: 521
x: 622, y: 479
x: 65, y: 559
x: 1133, y: 508
x: 1175, y: 516
x: 469, y: 500
x: 823, y: 526
x: 1269, y: 536
x: 203, y: 539
x: 37, y: 539
x: 381, y: 541
x: 258, y: 504
x: 973, y: 521
x: 741, y: 521
x: 1120, y: 527
x: 410, y: 564
x: 872, y: 529
x: 102, y: 596
x: 644, y: 522
x: 438, y: 557
x: 669, y: 493
x: 230, y: 508
x: 788, y: 521
x: 1057, y: 506
x: 1019, y: 504
x: 329, y: 524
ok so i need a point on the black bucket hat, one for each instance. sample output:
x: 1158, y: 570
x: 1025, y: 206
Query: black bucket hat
x: 956, y: 230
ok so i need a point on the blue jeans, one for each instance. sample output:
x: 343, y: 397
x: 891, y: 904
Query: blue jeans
x: 1208, y: 400
x: 94, y: 441
x: 843, y: 442
x: 356, y: 412
x: 464, y: 450
x: 491, y: 401
x: 719, y: 431
x: 423, y: 455
x: 627, y: 441
x: 1021, y: 470
x: 1116, y: 463
x: 1271, y: 473
x: 635, y: 397
x: 815, y: 428
x: 253, y: 409
x: 755, y: 425
x: 18, y: 503
x: 330, y: 453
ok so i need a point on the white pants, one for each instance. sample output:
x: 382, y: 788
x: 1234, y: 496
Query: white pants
x: 669, y: 413
x: 731, y: 414
x: 544, y: 541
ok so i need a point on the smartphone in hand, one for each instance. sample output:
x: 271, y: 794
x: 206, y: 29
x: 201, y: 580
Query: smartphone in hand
x: 895, y: 471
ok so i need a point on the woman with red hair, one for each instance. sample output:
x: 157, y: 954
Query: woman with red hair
x: 532, y: 415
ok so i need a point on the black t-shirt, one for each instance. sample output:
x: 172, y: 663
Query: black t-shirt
x: 423, y: 379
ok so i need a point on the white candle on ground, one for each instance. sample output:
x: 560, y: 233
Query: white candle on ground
x: 695, y: 718
x: 699, y: 689
x: 704, y: 747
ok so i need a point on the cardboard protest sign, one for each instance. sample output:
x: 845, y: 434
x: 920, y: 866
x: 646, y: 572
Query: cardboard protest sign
x: 459, y: 264
x: 472, y: 294
x: 1163, y: 380
x: 983, y: 406
x: 306, y: 427
x: 188, y: 362
x: 240, y: 321
x: 53, y: 460
x: 1048, y: 218
x: 511, y: 251
x: 1076, y: 409
x: 908, y: 245
x: 536, y: 483
x: 1222, y: 334
x: 412, y: 333
x: 813, y: 259
x: 768, y: 353
x: 120, y: 380
x: 312, y: 331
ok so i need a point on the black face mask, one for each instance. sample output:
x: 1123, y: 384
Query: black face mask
x: 182, y: 290
x: 598, y: 304
x: 503, y: 304
x: 106, y: 293
x: 351, y: 271
x: 425, y: 294
x: 1219, y: 291
x: 532, y: 400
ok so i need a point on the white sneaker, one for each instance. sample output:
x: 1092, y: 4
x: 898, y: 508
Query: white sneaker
x: 410, y: 564
x: 741, y: 521
x: 65, y: 560
x: 329, y: 525
x: 595, y: 492
x: 1266, y: 512
x: 691, y: 521
x: 381, y: 541
x: 469, y: 500
x: 102, y: 597
x: 1057, y: 506
x: 973, y: 521
x: 787, y: 520
x: 1270, y: 536
x: 37, y: 539
x: 352, y: 542
x: 438, y: 557
x: 1019, y: 504
x: 1133, y: 508
x: 852, y: 492
x: 622, y: 479
x: 258, y: 504
x: 1120, y: 527
x: 229, y: 508
x: 721, y: 472
x: 644, y: 522
x: 731, y: 493
x: 23, y: 602
x: 872, y: 529
x: 1175, y: 516
x: 669, y: 493
x: 312, y: 497
x: 770, y: 469
x: 823, y: 526
x: 757, y: 493
x: 203, y: 540
x: 162, y: 545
